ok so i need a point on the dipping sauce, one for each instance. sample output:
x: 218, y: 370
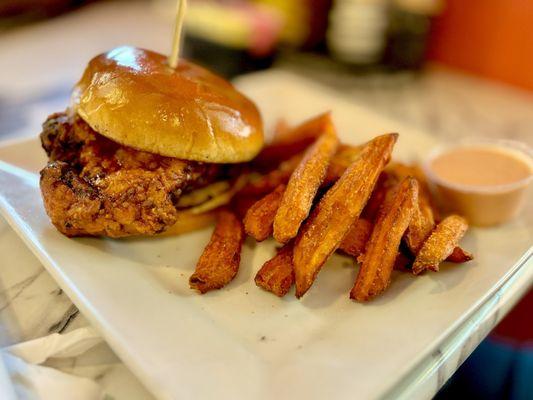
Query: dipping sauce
x: 486, y: 182
x: 480, y: 166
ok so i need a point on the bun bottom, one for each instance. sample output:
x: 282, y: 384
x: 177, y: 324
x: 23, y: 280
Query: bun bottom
x: 188, y: 222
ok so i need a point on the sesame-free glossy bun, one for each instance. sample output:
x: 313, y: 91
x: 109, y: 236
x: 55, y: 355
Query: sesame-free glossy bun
x: 133, y: 97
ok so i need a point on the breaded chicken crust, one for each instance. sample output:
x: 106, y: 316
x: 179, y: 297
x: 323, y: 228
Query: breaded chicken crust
x: 93, y: 186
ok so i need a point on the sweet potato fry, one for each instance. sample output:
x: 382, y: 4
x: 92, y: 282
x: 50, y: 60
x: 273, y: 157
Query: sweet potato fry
x: 423, y: 221
x: 220, y: 260
x: 459, y: 256
x: 303, y: 186
x: 288, y: 142
x: 385, y: 182
x: 277, y: 274
x: 440, y: 244
x: 345, y: 156
x: 403, y: 262
x: 333, y: 216
x: 402, y: 171
x: 382, y: 249
x: 355, y: 240
x: 270, y: 181
x: 242, y: 203
x: 281, y: 129
x: 420, y: 227
x: 266, y: 183
x: 260, y: 216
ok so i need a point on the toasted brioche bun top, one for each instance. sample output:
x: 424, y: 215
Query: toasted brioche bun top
x: 133, y: 97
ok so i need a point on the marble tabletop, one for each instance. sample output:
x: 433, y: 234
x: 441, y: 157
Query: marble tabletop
x: 444, y: 103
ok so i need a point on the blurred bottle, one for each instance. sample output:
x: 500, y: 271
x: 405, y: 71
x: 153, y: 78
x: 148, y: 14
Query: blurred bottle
x: 295, y: 14
x: 231, y: 37
x: 305, y: 22
x: 408, y: 32
x: 356, y: 31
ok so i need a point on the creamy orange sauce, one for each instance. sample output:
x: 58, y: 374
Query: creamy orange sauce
x: 481, y: 166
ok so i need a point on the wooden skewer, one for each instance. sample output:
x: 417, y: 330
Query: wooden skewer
x: 180, y: 16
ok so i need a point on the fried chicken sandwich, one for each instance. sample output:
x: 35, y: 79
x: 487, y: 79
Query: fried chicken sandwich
x: 143, y: 147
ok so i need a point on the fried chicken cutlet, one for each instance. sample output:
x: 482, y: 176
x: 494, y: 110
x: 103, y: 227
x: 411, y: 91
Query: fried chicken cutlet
x: 93, y: 186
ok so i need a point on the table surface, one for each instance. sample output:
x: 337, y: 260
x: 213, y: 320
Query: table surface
x: 447, y: 104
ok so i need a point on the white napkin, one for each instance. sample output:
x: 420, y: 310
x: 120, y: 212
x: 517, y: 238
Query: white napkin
x: 32, y: 381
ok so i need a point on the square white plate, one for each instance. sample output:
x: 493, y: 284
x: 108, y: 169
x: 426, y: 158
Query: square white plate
x: 244, y: 343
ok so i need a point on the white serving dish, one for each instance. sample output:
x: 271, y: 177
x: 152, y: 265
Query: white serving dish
x: 243, y: 343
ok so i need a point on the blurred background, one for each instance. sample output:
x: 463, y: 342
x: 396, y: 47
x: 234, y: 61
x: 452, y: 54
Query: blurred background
x: 410, y: 59
x: 449, y: 67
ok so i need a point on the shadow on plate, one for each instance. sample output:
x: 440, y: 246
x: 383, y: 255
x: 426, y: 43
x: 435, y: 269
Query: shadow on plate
x: 450, y: 274
x: 332, y: 284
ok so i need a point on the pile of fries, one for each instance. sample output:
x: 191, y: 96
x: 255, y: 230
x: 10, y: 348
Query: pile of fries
x: 315, y: 196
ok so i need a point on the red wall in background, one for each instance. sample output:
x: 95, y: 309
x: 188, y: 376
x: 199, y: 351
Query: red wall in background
x: 517, y: 325
x: 491, y: 38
